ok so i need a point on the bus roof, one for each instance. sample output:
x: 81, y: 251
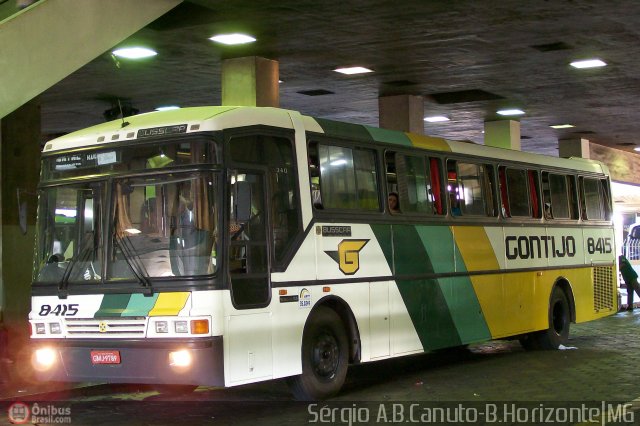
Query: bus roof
x: 199, y: 119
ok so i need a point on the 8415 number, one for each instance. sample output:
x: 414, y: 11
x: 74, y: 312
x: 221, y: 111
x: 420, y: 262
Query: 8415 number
x: 59, y: 310
x: 599, y: 245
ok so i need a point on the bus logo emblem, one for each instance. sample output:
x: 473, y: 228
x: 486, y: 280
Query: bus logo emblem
x: 348, y: 255
x: 102, y: 327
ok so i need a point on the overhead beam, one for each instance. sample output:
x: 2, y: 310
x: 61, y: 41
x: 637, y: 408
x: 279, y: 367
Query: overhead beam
x: 623, y: 166
x: 51, y: 39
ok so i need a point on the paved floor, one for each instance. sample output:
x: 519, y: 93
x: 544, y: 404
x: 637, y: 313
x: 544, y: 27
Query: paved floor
x: 602, y: 367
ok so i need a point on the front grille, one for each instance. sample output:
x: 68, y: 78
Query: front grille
x: 603, y: 285
x: 103, y: 327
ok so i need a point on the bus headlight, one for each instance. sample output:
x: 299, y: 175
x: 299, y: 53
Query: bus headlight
x: 182, y: 326
x: 40, y: 328
x: 181, y: 358
x: 162, y: 327
x: 54, y: 328
x: 43, y: 359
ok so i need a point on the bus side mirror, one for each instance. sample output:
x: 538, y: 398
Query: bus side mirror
x: 243, y: 204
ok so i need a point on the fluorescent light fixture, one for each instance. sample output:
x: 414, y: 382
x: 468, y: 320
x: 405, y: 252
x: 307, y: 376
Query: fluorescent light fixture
x: 562, y: 126
x: 588, y: 63
x: 436, y: 119
x: 340, y: 162
x: 232, y: 39
x: 133, y: 231
x: 167, y: 108
x: 510, y: 112
x: 353, y: 70
x: 134, y: 52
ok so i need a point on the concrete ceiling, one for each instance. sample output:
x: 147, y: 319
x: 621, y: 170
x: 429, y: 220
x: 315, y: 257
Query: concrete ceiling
x: 467, y: 58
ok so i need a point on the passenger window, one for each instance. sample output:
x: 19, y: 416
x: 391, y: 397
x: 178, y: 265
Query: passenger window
x: 470, y: 189
x: 514, y: 192
x: 595, y: 198
x: 409, y: 179
x: 348, y: 178
x: 560, y: 201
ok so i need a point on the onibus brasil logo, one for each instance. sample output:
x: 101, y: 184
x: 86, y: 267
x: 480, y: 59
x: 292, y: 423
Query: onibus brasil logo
x: 348, y: 255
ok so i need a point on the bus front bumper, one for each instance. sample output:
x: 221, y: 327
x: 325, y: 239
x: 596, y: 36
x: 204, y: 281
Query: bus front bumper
x: 148, y: 361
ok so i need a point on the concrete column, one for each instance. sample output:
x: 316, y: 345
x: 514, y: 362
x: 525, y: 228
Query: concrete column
x: 20, y: 169
x: 502, y: 134
x: 401, y: 112
x: 250, y: 81
x: 577, y: 147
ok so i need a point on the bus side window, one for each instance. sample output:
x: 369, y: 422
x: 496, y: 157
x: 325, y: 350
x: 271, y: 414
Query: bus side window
x: 595, y: 201
x: 314, y: 176
x: 391, y: 176
x: 471, y: 189
x: 534, y: 191
x: 504, y: 199
x: 453, y: 189
x: 435, y: 190
x: 514, y: 192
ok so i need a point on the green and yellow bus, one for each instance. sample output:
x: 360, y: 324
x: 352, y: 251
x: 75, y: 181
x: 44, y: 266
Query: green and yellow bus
x: 229, y: 245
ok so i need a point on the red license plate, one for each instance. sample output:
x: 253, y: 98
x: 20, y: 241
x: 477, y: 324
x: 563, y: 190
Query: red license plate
x: 105, y: 357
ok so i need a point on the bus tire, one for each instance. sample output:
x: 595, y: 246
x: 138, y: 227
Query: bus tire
x: 325, y: 357
x: 559, y: 322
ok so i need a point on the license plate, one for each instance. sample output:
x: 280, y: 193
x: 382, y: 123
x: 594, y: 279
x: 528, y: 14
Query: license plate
x: 105, y: 357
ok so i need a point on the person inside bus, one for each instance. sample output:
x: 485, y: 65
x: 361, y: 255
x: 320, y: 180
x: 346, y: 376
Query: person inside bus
x: 630, y: 277
x: 394, y: 203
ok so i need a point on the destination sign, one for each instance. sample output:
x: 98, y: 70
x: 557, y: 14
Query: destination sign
x: 82, y: 160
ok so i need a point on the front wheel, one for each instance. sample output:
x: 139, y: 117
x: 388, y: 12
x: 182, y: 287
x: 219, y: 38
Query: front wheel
x: 325, y: 357
x: 559, y: 321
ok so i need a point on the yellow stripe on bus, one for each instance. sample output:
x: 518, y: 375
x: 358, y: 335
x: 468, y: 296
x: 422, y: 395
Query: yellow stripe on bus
x: 169, y: 304
x: 508, y: 300
x: 428, y: 142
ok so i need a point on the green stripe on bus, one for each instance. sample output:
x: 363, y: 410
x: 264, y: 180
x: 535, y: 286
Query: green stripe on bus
x: 140, y: 305
x: 409, y: 255
x: 424, y: 298
x: 113, y: 305
x: 383, y: 235
x: 458, y: 292
x: 389, y: 136
x: 429, y: 313
x: 344, y: 130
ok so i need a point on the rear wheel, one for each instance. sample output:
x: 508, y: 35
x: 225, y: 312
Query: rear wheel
x: 325, y: 357
x: 559, y: 322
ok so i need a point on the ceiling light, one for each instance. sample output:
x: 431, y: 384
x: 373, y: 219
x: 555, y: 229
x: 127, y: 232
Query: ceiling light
x: 436, y: 119
x: 561, y: 126
x: 167, y: 108
x: 510, y: 112
x: 588, y: 63
x: 637, y: 148
x: 134, y: 52
x: 231, y: 39
x: 353, y: 70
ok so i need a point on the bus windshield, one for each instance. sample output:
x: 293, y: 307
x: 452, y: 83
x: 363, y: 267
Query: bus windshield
x: 159, y: 226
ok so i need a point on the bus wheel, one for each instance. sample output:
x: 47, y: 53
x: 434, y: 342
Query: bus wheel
x: 559, y: 321
x: 325, y: 357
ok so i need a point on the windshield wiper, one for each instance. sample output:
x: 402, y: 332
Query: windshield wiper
x: 83, y: 255
x: 134, y: 262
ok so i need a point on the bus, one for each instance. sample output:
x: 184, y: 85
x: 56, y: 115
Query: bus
x: 222, y: 246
